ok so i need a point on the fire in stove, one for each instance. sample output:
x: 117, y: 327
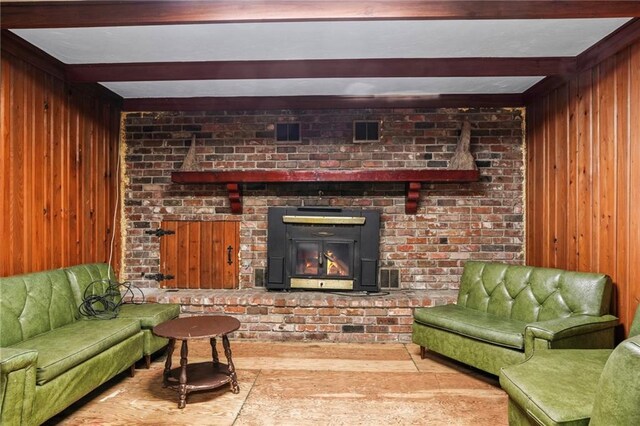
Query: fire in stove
x: 335, y: 266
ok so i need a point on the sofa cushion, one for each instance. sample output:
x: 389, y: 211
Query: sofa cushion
x: 475, y: 324
x: 556, y: 387
x: 31, y: 304
x: 65, y: 347
x: 150, y: 314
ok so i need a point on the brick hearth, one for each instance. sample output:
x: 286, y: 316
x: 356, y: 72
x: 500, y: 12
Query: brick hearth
x: 308, y: 315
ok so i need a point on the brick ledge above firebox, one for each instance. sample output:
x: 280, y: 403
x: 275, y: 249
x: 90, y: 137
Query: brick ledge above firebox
x: 304, y: 315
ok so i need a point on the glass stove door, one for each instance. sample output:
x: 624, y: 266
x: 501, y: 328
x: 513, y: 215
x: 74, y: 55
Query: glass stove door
x: 318, y: 258
x: 338, y: 259
x: 307, y: 258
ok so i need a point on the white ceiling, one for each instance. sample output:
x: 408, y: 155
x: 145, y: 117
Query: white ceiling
x: 322, y: 86
x: 323, y: 40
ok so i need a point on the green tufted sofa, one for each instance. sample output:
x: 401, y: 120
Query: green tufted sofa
x: 50, y: 356
x: 576, y: 386
x: 506, y: 312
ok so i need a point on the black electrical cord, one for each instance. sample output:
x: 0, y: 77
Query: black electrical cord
x: 106, y: 305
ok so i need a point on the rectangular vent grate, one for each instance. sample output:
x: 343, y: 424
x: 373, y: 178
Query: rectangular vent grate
x: 389, y: 278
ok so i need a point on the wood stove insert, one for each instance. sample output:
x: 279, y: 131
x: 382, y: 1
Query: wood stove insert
x: 322, y: 249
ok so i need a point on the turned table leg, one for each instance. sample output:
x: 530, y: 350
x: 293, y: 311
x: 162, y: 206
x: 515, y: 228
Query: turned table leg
x: 214, y: 352
x: 167, y: 363
x: 184, y: 352
x: 232, y: 370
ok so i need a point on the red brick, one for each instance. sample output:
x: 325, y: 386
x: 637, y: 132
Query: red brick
x: 481, y: 220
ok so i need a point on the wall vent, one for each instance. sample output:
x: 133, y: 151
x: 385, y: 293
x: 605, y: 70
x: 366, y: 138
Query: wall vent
x: 389, y: 278
x: 258, y: 276
x: 366, y: 131
x: 288, y: 132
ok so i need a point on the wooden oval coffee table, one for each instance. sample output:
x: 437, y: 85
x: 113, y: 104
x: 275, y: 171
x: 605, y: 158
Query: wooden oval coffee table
x: 203, y: 375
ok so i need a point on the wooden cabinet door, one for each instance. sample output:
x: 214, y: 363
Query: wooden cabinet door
x: 200, y: 255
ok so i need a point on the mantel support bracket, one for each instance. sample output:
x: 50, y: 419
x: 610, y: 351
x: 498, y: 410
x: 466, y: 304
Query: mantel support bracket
x: 413, y: 197
x: 235, y: 197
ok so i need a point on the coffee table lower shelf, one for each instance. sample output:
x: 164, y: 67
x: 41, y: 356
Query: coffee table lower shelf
x: 200, y: 376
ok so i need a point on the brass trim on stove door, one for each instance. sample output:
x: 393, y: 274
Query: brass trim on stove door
x: 325, y: 220
x: 322, y: 284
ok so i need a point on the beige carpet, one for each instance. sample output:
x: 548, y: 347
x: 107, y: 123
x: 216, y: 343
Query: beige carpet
x: 305, y: 384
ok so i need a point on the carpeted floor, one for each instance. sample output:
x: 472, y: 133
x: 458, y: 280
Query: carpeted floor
x: 305, y: 384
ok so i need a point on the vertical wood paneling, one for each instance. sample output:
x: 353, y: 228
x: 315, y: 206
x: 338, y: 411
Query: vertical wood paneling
x: 607, y: 162
x: 5, y: 163
x: 58, y: 158
x: 561, y: 166
x: 534, y: 197
x: 572, y: 191
x: 546, y: 171
x: 583, y: 176
x: 585, y: 185
x: 623, y: 183
x: 632, y: 287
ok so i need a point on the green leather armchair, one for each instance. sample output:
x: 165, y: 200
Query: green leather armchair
x: 577, y: 387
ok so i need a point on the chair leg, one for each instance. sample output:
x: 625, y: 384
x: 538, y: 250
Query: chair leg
x: 132, y: 370
x: 147, y: 361
x: 423, y: 352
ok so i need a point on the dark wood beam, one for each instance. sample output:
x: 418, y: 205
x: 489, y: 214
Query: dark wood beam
x: 118, y: 13
x: 321, y: 102
x: 291, y: 176
x: 321, y: 68
x: 624, y: 36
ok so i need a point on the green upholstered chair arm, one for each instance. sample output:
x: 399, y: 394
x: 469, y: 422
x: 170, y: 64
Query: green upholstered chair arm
x: 17, y: 385
x: 12, y: 359
x: 576, y: 332
x: 561, y: 328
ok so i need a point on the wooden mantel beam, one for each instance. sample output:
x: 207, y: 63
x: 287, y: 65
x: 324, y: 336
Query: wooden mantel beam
x: 412, y: 178
x: 59, y: 14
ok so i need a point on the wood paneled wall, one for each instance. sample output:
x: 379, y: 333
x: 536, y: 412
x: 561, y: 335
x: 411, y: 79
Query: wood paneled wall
x: 58, y: 160
x: 583, y: 176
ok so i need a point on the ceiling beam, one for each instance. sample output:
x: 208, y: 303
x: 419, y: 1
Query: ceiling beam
x: 624, y: 36
x: 321, y: 102
x: 321, y: 68
x: 42, y: 14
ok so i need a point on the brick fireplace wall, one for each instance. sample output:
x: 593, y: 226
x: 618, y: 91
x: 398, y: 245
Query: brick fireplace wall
x: 454, y: 223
